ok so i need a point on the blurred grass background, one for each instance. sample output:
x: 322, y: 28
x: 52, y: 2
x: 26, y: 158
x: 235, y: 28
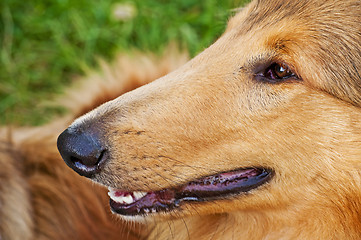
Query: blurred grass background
x: 45, y: 44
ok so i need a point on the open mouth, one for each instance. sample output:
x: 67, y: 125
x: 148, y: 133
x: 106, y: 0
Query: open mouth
x: 208, y: 188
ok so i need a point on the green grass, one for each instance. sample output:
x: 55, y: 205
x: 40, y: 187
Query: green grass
x: 45, y: 44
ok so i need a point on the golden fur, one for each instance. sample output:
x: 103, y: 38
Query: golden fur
x: 215, y: 114
x: 40, y: 197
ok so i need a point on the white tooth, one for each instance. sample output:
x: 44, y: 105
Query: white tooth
x: 146, y: 210
x: 128, y: 199
x: 111, y: 195
x: 153, y: 210
x: 139, y: 195
x: 115, y: 198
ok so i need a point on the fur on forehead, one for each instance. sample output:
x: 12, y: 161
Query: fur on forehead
x: 333, y: 68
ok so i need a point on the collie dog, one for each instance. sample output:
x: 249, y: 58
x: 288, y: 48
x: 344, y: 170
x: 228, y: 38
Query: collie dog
x: 257, y: 137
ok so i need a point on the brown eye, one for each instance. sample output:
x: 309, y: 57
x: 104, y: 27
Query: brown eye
x: 277, y: 71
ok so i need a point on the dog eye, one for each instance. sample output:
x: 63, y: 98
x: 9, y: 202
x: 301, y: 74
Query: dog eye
x: 277, y: 72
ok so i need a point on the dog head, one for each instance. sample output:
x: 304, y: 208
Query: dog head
x: 261, y: 119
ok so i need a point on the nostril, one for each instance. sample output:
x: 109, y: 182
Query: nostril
x: 88, y: 165
x: 82, y: 151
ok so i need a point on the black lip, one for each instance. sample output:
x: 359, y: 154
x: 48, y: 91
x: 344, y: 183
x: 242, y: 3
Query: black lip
x: 209, y: 188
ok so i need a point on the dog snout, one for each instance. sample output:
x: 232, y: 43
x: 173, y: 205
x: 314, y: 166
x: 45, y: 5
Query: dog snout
x: 82, y: 151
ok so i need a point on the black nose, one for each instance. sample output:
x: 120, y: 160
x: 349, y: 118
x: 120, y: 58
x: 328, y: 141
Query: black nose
x: 82, y: 152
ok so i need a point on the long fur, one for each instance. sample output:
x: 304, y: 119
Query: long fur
x: 215, y: 114
x: 40, y: 197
